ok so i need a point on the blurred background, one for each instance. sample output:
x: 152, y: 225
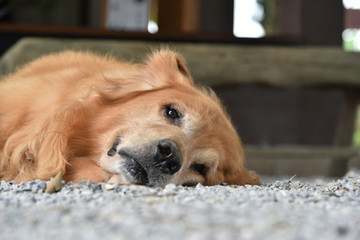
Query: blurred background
x: 288, y: 71
x: 317, y: 22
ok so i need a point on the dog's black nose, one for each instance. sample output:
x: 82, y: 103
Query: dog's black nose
x: 167, y: 157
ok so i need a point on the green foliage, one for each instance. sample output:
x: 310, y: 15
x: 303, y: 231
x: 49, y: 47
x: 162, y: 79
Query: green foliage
x: 356, y: 137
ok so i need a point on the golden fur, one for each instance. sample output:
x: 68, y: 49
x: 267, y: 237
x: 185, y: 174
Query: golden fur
x: 65, y: 111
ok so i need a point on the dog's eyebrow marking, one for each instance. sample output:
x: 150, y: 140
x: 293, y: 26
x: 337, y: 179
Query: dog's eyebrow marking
x: 113, y: 149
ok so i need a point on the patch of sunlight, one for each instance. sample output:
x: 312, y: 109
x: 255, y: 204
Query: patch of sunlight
x: 356, y: 137
x: 153, y: 27
x: 247, y: 17
x: 351, y: 4
x: 351, y: 39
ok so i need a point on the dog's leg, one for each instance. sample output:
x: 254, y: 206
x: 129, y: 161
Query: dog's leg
x: 252, y: 178
x: 83, y: 168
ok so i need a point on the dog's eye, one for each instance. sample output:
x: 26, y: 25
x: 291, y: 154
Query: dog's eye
x: 199, y: 168
x: 171, y: 112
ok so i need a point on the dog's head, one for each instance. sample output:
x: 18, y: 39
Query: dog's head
x: 158, y: 128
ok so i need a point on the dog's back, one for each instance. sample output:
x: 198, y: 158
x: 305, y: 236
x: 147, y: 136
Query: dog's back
x: 37, y: 105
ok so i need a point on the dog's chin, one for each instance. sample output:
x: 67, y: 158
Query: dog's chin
x: 132, y: 172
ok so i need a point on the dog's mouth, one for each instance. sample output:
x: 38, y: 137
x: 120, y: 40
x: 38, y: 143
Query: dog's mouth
x: 153, y: 165
x: 135, y: 172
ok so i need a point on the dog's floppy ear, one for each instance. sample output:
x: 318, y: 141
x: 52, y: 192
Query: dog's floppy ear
x: 181, y: 65
x: 162, y: 68
x: 167, y: 66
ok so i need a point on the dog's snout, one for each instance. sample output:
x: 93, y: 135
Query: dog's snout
x: 167, y: 157
x: 165, y: 149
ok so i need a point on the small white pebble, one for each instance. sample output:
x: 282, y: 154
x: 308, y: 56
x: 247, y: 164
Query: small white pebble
x: 109, y: 186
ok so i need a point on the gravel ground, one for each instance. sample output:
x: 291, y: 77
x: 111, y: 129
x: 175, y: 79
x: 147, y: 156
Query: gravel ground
x: 278, y: 209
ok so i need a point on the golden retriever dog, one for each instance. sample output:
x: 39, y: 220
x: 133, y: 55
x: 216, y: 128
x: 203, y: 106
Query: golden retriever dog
x: 100, y: 119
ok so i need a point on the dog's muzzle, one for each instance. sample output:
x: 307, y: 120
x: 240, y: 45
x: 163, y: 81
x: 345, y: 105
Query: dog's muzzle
x: 152, y: 166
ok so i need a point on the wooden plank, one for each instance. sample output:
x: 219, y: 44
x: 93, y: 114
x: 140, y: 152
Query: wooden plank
x: 289, y: 151
x: 89, y: 32
x: 216, y: 65
x: 299, y: 160
x: 352, y: 18
x: 190, y: 16
x: 170, y: 16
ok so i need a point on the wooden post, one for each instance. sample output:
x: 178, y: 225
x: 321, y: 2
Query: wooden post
x: 177, y: 16
x: 346, y: 125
